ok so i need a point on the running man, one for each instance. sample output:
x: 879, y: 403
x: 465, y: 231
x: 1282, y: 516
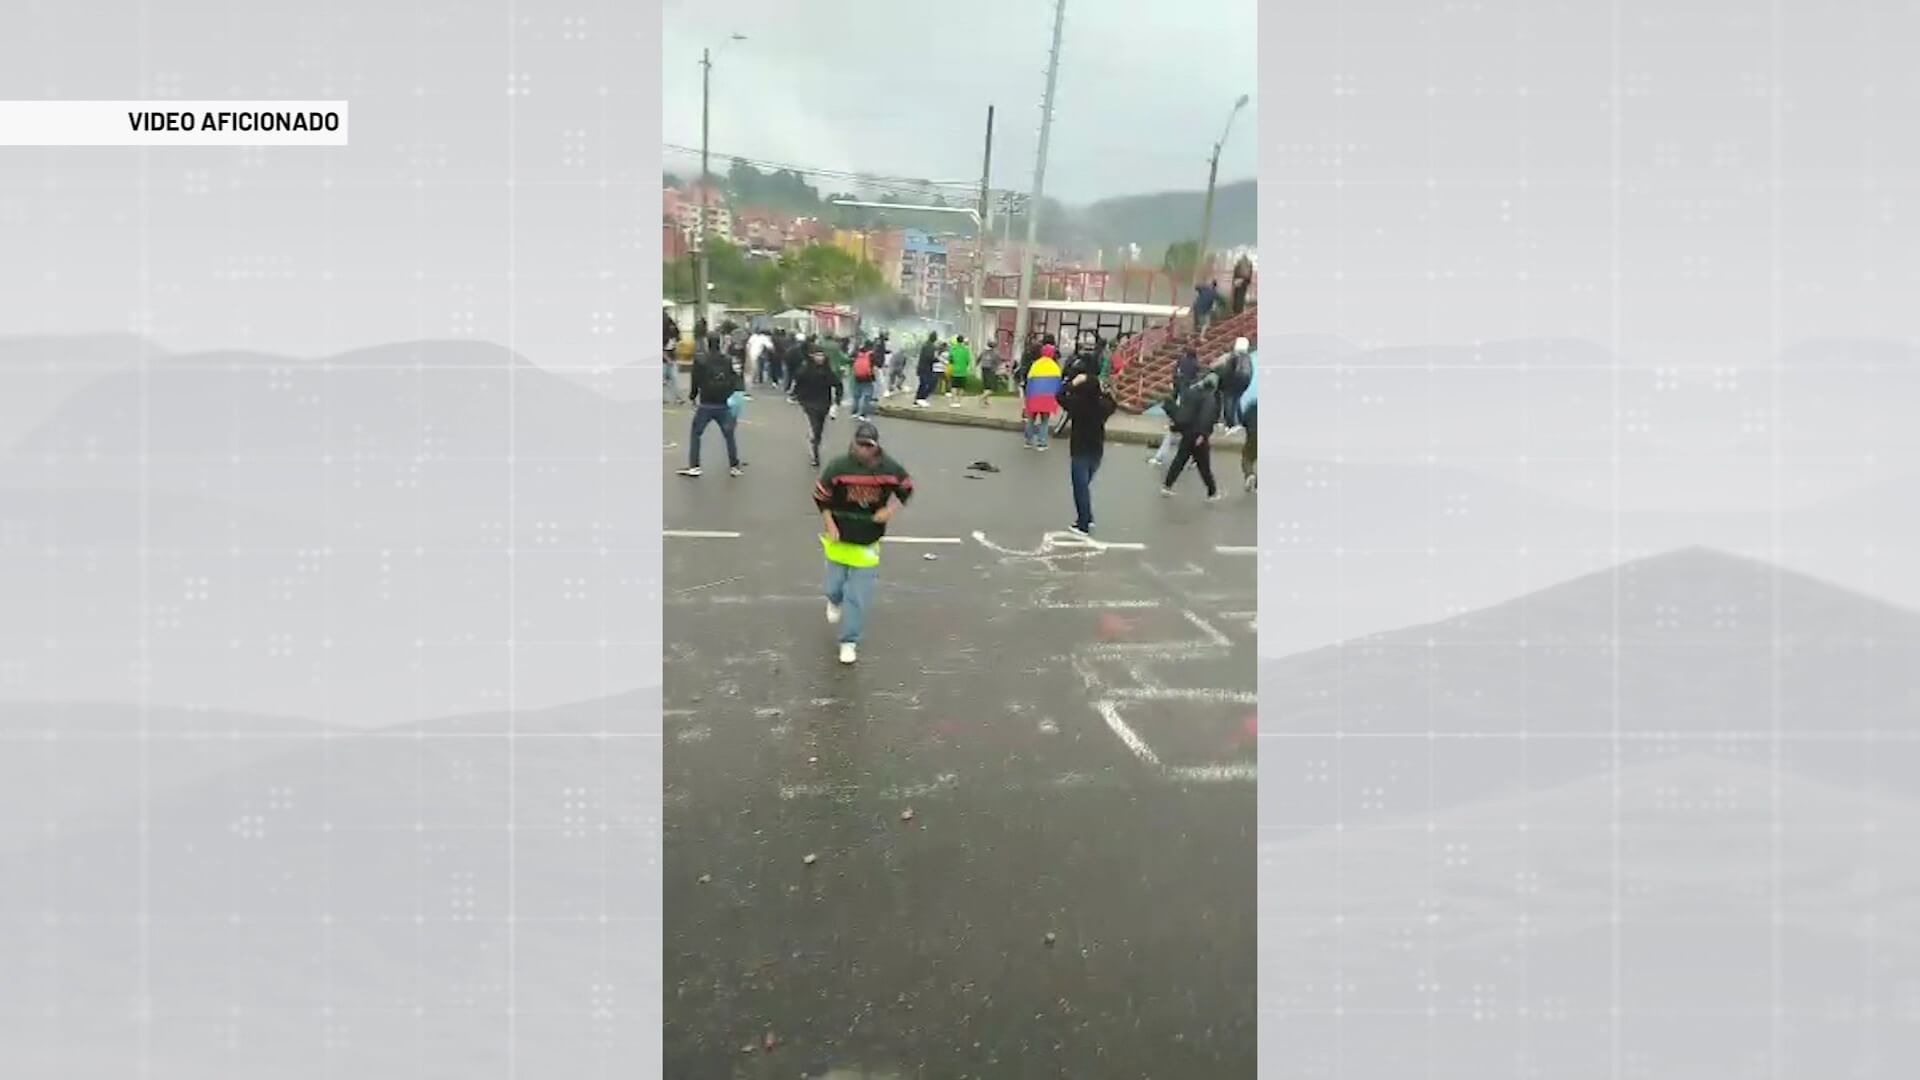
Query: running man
x: 1194, y: 419
x: 817, y: 390
x: 857, y: 495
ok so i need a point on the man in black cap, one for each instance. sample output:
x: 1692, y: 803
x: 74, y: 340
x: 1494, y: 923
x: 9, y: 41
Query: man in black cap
x: 857, y: 495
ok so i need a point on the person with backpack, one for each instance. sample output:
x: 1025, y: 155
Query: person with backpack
x: 857, y: 494
x: 1194, y: 419
x: 959, y: 370
x: 1186, y: 372
x: 817, y: 391
x: 1041, y: 390
x: 714, y: 383
x: 1088, y: 404
x: 1236, y: 374
x: 864, y: 374
x: 928, y: 371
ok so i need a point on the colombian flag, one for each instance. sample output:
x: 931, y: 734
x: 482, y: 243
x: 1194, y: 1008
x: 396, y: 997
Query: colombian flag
x: 1043, y: 387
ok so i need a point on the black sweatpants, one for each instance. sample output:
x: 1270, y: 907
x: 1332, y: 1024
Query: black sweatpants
x: 816, y: 421
x: 1198, y: 449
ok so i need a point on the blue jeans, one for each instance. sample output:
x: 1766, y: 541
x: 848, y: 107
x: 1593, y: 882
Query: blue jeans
x: 1036, y: 428
x: 862, y: 398
x: 851, y: 587
x: 712, y: 414
x: 1084, y: 466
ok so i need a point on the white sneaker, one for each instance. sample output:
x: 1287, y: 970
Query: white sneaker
x: 693, y: 471
x: 1166, y: 493
x: 833, y: 613
x: 953, y: 404
x: 849, y: 652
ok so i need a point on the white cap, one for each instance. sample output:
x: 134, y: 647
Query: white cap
x: 1240, y: 345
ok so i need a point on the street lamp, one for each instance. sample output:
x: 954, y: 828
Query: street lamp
x: 706, y: 177
x: 1213, y: 173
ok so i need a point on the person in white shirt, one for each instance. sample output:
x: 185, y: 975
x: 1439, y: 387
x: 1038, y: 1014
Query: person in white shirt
x: 759, y: 345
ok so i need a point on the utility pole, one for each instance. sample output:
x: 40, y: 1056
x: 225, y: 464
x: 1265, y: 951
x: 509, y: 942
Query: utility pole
x: 982, y: 228
x: 1206, y: 219
x: 706, y: 186
x: 1039, y: 179
x: 1213, y: 174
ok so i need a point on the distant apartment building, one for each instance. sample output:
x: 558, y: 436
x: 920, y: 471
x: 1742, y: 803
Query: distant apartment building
x: 760, y: 230
x: 923, y: 270
x: 881, y: 247
x: 682, y: 208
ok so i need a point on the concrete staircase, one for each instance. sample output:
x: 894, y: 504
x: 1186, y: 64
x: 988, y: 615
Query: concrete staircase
x: 1148, y: 359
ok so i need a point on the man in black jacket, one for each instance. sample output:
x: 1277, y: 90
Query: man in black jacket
x: 929, y: 352
x: 714, y: 381
x: 816, y: 387
x: 1088, y: 406
x: 1194, y: 418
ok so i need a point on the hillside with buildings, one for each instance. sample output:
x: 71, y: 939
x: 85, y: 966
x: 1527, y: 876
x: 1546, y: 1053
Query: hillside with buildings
x: 763, y: 224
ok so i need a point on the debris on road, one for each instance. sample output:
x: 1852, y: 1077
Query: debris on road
x: 907, y: 814
x: 705, y: 878
x: 1051, y: 937
x: 983, y: 466
x: 811, y: 858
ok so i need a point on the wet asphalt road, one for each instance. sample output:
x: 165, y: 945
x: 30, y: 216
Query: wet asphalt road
x: 919, y: 947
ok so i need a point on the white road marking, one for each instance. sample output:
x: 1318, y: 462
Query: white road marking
x: 1094, y: 605
x: 699, y: 534
x: 921, y: 540
x: 1206, y: 628
x: 1110, y: 712
x: 1216, y: 773
x: 1182, y: 693
x: 1236, y: 549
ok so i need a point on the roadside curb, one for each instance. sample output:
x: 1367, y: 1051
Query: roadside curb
x: 964, y: 418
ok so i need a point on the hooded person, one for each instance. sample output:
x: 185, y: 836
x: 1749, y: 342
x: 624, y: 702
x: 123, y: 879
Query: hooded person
x: 1236, y: 374
x: 817, y: 390
x: 1250, y: 416
x: 1193, y: 420
x: 1041, y: 399
x: 928, y: 370
x: 1186, y: 372
x: 857, y: 494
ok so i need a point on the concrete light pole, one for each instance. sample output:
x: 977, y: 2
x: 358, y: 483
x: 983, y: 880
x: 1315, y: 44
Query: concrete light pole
x: 1039, y: 179
x: 706, y: 182
x: 1213, y: 174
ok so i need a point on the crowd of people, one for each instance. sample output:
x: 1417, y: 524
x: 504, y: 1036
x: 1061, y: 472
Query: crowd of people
x: 859, y: 491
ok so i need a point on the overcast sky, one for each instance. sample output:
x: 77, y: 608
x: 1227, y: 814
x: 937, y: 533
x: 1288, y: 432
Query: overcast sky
x: 902, y: 89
